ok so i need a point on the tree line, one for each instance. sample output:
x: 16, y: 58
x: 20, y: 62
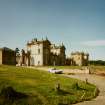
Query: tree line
x: 97, y: 62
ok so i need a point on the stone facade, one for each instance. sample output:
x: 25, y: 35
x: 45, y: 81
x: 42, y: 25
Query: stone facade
x: 39, y: 52
x: 43, y: 53
x: 79, y: 58
x: 58, y: 55
x: 7, y: 56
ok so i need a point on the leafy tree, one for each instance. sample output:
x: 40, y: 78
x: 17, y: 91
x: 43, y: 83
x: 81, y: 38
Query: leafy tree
x: 97, y: 62
x: 17, y: 51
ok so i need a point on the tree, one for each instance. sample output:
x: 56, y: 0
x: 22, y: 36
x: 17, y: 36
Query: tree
x: 17, y: 51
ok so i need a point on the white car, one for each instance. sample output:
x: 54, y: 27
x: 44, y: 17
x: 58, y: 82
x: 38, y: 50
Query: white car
x: 56, y: 71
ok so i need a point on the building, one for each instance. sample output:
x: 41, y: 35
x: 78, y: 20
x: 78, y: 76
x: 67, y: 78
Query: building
x: 42, y: 53
x: 79, y: 58
x: 7, y: 56
x: 58, y: 54
x: 39, y: 52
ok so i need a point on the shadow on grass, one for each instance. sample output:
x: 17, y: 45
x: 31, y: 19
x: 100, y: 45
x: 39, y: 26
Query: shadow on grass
x: 8, y: 95
x: 63, y: 92
x: 77, y: 87
x: 62, y: 104
x: 11, y: 94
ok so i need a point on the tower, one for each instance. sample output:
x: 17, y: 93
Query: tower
x: 39, y: 52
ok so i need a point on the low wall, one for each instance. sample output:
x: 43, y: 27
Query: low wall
x: 77, y: 71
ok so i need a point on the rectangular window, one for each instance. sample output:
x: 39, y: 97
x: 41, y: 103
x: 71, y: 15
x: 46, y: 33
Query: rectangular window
x: 38, y: 51
x: 38, y: 62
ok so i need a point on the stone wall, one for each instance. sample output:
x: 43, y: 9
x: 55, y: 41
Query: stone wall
x: 79, y: 58
x: 7, y: 56
x: 0, y: 57
x: 77, y: 71
x: 39, y: 52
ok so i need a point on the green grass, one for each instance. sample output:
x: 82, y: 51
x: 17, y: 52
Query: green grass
x: 40, y: 87
x: 64, y: 67
x: 101, y: 68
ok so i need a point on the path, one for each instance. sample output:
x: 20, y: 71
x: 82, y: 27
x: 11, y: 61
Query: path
x: 99, y: 82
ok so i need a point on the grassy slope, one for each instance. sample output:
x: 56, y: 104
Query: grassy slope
x: 100, y: 68
x: 40, y: 86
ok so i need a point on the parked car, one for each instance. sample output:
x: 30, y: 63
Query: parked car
x: 56, y: 71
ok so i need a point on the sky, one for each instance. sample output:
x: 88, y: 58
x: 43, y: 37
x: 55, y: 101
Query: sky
x: 79, y: 24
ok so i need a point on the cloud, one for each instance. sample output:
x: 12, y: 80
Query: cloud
x: 94, y: 43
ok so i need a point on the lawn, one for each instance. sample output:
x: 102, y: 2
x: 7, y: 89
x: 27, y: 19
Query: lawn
x: 98, y: 68
x: 64, y: 67
x: 40, y: 87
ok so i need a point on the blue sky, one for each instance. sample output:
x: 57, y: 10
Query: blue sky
x: 79, y: 24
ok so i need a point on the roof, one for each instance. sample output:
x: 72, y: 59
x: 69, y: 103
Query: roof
x: 79, y: 53
x: 35, y: 41
x: 53, y: 46
x: 6, y: 49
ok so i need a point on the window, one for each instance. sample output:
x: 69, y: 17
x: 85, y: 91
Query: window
x: 38, y: 62
x: 38, y: 51
x: 79, y: 58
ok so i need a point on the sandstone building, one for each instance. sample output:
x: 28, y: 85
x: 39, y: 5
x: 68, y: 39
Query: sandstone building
x: 58, y: 56
x: 79, y: 58
x: 42, y: 53
x: 39, y: 52
x: 7, y: 56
